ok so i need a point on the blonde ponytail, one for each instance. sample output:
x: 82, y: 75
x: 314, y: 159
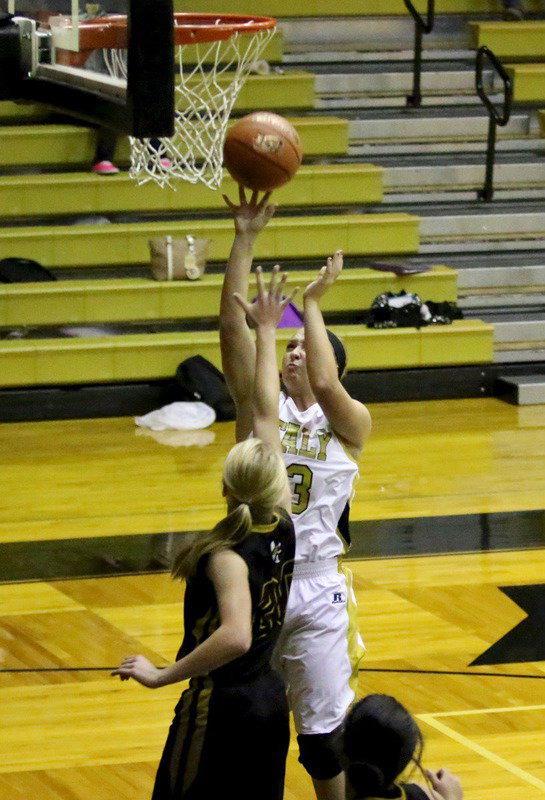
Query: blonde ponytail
x: 254, y: 477
x: 229, y: 531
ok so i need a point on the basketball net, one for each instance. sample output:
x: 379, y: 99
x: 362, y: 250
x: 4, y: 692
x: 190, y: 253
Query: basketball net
x: 209, y: 84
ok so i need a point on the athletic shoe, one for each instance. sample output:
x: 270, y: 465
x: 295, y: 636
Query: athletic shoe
x: 166, y: 163
x: 104, y: 168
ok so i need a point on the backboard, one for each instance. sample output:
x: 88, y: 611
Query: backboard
x: 45, y: 56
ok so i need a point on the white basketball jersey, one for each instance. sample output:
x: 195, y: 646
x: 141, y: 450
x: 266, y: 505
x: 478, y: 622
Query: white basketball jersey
x: 321, y: 476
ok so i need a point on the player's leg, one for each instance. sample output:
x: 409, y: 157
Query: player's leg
x: 180, y: 766
x: 246, y: 743
x: 317, y: 667
x: 104, y: 152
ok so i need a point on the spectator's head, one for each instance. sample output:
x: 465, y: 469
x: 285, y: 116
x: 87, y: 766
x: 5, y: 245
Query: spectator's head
x: 380, y: 739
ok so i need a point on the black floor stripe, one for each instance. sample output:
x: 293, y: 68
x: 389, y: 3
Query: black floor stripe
x: 150, y: 553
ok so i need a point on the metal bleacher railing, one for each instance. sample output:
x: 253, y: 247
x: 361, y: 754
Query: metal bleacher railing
x: 421, y: 27
x: 497, y: 115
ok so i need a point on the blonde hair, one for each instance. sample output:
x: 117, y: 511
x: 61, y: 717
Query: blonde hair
x: 254, y: 476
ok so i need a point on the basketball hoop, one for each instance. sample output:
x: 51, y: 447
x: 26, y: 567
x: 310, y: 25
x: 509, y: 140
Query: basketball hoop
x: 212, y: 73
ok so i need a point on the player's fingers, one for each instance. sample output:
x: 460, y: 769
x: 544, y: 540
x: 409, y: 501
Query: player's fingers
x: 273, y: 283
x: 260, y: 282
x: 433, y: 778
x: 269, y: 211
x: 264, y: 200
x: 241, y: 195
x: 228, y: 202
x: 243, y: 303
x: 253, y: 198
x: 280, y: 287
x: 287, y: 300
x: 121, y: 672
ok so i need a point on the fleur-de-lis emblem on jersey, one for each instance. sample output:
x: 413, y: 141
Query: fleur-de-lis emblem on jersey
x: 274, y: 596
x: 276, y: 550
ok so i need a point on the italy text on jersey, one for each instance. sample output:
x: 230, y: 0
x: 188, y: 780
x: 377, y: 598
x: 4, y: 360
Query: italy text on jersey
x: 291, y: 445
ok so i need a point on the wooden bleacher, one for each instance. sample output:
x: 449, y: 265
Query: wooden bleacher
x: 126, y: 299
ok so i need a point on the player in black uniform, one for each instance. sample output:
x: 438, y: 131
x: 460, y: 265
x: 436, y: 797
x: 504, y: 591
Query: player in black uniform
x: 380, y: 739
x: 230, y: 733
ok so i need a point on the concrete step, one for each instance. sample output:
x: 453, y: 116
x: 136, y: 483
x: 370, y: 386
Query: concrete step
x: 372, y: 33
x: 506, y: 145
x: 519, y: 331
x: 527, y: 276
x: 517, y: 286
x: 428, y: 128
x: 346, y: 103
x: 398, y: 83
x: 520, y: 356
x: 520, y: 340
x: 460, y: 182
x: 309, y: 58
x: 485, y: 230
x: 522, y: 390
x: 501, y: 299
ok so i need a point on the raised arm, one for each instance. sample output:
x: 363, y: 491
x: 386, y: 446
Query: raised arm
x: 266, y: 312
x: 237, y: 343
x: 349, y: 418
x: 231, y: 639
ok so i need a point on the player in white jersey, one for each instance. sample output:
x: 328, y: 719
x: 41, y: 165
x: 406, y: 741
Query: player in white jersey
x: 323, y: 430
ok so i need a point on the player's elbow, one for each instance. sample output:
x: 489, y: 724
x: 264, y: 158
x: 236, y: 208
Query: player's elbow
x: 237, y: 638
x: 322, y: 385
x: 240, y: 642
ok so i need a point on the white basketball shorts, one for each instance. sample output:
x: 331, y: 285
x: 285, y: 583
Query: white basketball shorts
x: 319, y: 647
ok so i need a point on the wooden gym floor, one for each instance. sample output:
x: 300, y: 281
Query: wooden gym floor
x: 449, y: 544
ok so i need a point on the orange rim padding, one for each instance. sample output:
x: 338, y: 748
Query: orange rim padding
x: 111, y: 32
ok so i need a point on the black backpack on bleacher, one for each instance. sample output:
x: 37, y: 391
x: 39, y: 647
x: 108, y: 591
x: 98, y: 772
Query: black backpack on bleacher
x: 198, y: 379
x: 23, y: 270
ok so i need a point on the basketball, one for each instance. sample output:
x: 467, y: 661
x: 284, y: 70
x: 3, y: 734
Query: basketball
x: 262, y: 151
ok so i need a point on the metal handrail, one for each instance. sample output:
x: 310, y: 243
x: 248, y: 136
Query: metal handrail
x: 496, y: 116
x: 420, y: 27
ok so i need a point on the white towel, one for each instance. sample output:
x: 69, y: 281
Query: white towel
x: 178, y: 416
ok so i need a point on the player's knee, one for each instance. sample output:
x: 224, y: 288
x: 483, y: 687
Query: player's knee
x: 319, y: 753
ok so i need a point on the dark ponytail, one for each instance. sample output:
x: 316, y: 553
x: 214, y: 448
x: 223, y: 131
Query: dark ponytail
x: 380, y: 739
x: 367, y: 779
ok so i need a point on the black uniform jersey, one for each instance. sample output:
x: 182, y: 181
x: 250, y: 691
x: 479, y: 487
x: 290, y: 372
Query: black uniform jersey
x: 269, y: 552
x: 402, y: 791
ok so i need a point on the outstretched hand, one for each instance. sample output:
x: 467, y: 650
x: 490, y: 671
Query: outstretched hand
x: 252, y: 215
x: 268, y: 307
x: 326, y: 277
x: 141, y: 669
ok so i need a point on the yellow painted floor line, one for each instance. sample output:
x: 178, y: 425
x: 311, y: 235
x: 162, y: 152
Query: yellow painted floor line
x: 472, y: 711
x: 429, y: 719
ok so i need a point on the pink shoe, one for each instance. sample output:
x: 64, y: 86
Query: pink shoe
x: 166, y: 163
x: 104, y: 168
